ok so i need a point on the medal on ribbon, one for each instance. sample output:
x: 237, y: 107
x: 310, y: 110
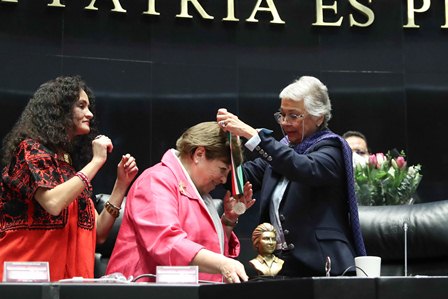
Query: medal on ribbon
x: 237, y: 180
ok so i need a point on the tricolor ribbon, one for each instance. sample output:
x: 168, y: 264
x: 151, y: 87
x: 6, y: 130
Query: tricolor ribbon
x: 236, y: 171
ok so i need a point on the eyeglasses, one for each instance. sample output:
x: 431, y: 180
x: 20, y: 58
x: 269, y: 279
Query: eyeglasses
x: 289, y: 118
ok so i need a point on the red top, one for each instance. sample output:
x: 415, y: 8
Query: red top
x: 28, y: 232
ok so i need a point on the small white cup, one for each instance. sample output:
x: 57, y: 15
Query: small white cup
x: 371, y: 265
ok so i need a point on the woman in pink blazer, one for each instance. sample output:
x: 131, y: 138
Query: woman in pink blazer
x: 170, y: 218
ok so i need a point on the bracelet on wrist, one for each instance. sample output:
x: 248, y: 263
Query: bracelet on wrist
x: 85, y: 180
x: 112, y: 209
x: 227, y: 222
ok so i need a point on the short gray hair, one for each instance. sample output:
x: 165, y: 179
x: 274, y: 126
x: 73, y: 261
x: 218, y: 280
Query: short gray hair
x: 314, y: 94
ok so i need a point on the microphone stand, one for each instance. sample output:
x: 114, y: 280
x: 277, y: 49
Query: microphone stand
x: 405, y: 230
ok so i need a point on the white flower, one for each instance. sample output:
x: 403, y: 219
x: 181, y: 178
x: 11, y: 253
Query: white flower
x: 380, y: 158
x: 359, y: 160
x: 411, y: 171
x: 391, y: 172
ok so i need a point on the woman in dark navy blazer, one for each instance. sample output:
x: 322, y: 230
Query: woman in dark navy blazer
x: 306, y: 182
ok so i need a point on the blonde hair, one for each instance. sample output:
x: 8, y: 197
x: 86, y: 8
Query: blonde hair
x: 213, y: 139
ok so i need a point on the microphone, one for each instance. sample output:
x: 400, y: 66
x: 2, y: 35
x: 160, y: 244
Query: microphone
x: 394, y: 153
x: 327, y: 266
x: 405, y: 230
x: 144, y: 275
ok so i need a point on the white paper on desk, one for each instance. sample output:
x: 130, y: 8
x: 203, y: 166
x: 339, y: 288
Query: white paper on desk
x: 177, y: 274
x: 26, y: 272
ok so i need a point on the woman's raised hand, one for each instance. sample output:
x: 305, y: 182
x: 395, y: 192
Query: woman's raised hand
x: 231, y: 123
x: 127, y: 169
x: 101, y: 146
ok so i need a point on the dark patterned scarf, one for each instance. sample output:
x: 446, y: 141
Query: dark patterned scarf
x: 305, y: 146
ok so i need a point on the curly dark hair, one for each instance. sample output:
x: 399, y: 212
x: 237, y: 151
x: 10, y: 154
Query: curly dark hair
x: 48, y: 117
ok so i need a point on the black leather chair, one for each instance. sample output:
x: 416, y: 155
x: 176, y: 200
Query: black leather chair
x: 104, y: 251
x: 427, y: 237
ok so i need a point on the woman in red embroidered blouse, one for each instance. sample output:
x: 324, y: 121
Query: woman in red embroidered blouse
x: 46, y: 207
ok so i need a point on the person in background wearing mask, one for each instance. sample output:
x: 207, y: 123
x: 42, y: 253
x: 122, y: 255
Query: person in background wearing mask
x: 358, y: 143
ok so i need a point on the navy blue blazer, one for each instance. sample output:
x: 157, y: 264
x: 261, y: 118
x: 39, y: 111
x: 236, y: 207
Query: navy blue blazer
x: 314, y: 209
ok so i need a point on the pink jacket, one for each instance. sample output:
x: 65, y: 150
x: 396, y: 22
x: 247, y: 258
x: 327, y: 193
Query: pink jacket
x: 165, y: 223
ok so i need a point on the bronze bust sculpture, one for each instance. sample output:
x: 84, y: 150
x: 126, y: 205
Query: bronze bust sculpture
x: 264, y: 241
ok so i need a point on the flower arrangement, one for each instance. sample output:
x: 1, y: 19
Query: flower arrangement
x: 386, y: 180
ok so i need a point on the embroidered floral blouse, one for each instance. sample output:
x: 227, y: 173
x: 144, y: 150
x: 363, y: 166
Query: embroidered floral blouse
x: 28, y: 232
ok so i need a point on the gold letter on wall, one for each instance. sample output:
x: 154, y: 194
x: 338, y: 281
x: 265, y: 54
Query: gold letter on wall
x: 320, y: 14
x: 151, y: 8
x: 446, y: 15
x: 271, y: 7
x: 412, y: 9
x: 117, y: 6
x: 231, y: 11
x: 184, y: 10
x: 56, y: 3
x: 365, y: 11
